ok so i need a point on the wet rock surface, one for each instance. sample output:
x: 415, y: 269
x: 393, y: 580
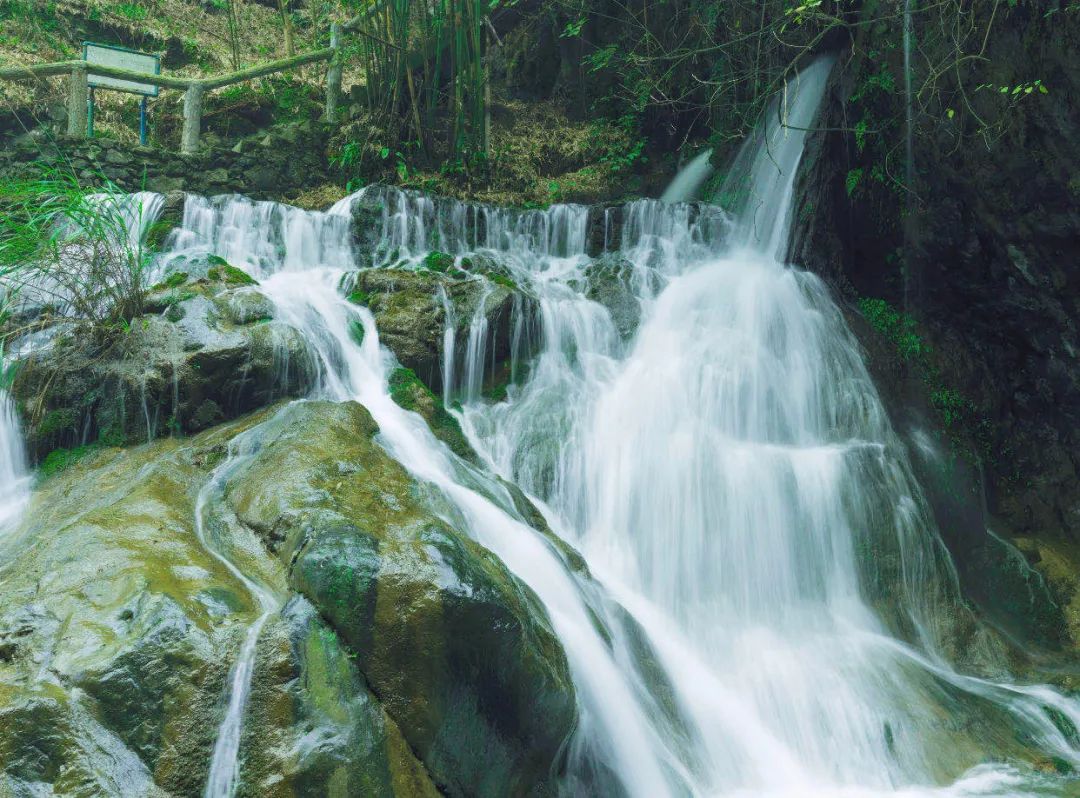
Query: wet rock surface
x: 207, y: 351
x: 411, y: 316
x: 458, y: 651
x: 987, y: 262
x: 608, y: 281
x: 405, y: 659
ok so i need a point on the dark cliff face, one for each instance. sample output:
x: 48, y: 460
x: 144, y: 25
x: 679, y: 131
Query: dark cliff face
x: 988, y: 260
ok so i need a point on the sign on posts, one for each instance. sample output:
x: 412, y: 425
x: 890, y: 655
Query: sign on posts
x: 108, y: 55
x: 123, y: 58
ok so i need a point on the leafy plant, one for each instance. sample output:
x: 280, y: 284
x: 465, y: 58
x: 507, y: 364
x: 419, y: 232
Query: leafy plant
x: 77, y: 249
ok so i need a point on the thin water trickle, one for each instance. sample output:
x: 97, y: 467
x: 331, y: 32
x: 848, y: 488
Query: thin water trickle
x: 224, y: 772
x: 772, y: 613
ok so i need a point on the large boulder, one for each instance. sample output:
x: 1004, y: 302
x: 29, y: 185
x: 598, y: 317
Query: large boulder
x: 207, y: 351
x: 313, y: 726
x: 609, y: 282
x: 459, y: 652
x: 112, y: 623
x: 118, y: 629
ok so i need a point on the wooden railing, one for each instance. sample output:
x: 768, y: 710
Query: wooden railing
x: 193, y: 88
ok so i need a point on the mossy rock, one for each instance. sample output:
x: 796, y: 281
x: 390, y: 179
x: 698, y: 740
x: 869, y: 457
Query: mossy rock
x: 174, y: 280
x: 106, y: 577
x: 222, y: 271
x: 206, y: 360
x: 411, y: 317
x: 409, y: 392
x: 460, y: 653
x: 608, y: 282
x: 438, y: 262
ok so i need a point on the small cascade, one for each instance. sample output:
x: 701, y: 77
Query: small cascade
x: 15, y: 478
x: 224, y: 771
x: 259, y: 237
x: 688, y: 182
x: 407, y: 225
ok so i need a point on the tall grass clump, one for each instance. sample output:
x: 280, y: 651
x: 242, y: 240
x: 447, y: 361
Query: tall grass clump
x: 73, y: 251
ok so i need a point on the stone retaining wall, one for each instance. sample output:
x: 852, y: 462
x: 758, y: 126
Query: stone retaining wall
x: 282, y: 161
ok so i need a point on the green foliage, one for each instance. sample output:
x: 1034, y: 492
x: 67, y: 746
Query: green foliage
x: 359, y: 297
x: 73, y: 246
x: 131, y: 11
x: 347, y: 157
x: 1016, y: 92
x: 952, y: 406
x: 804, y: 11
x: 619, y: 142
x: 851, y: 181
x: 955, y: 411
x: 573, y: 29
x: 61, y: 459
x: 899, y: 328
x: 409, y: 49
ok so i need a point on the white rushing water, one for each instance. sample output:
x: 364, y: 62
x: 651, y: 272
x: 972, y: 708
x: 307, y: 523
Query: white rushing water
x: 778, y: 615
x: 687, y: 184
x: 15, y: 478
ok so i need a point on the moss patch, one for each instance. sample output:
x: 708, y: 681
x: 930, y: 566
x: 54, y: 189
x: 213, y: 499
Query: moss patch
x: 174, y: 280
x: 409, y: 392
x: 222, y: 271
x: 360, y: 297
x: 438, y: 262
x: 59, y: 460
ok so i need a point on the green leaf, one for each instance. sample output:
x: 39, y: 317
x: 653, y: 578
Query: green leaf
x: 852, y: 180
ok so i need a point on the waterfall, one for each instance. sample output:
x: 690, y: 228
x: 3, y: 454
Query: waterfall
x: 691, y: 178
x: 770, y: 611
x: 15, y: 477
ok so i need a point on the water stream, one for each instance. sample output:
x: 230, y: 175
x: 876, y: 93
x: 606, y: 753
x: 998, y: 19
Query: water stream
x: 772, y: 612
x: 15, y: 478
x: 224, y: 770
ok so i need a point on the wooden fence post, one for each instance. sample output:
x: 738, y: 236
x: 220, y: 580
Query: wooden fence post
x: 189, y: 142
x: 333, y: 75
x: 77, y: 99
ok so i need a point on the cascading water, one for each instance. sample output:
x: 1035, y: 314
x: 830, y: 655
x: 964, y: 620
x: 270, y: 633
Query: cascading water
x: 15, y: 478
x: 224, y: 771
x: 773, y: 613
x: 691, y: 178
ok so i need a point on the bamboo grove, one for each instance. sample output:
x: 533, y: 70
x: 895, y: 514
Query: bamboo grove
x: 426, y: 59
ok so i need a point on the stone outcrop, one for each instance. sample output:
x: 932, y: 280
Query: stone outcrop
x: 210, y: 352
x: 411, y: 316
